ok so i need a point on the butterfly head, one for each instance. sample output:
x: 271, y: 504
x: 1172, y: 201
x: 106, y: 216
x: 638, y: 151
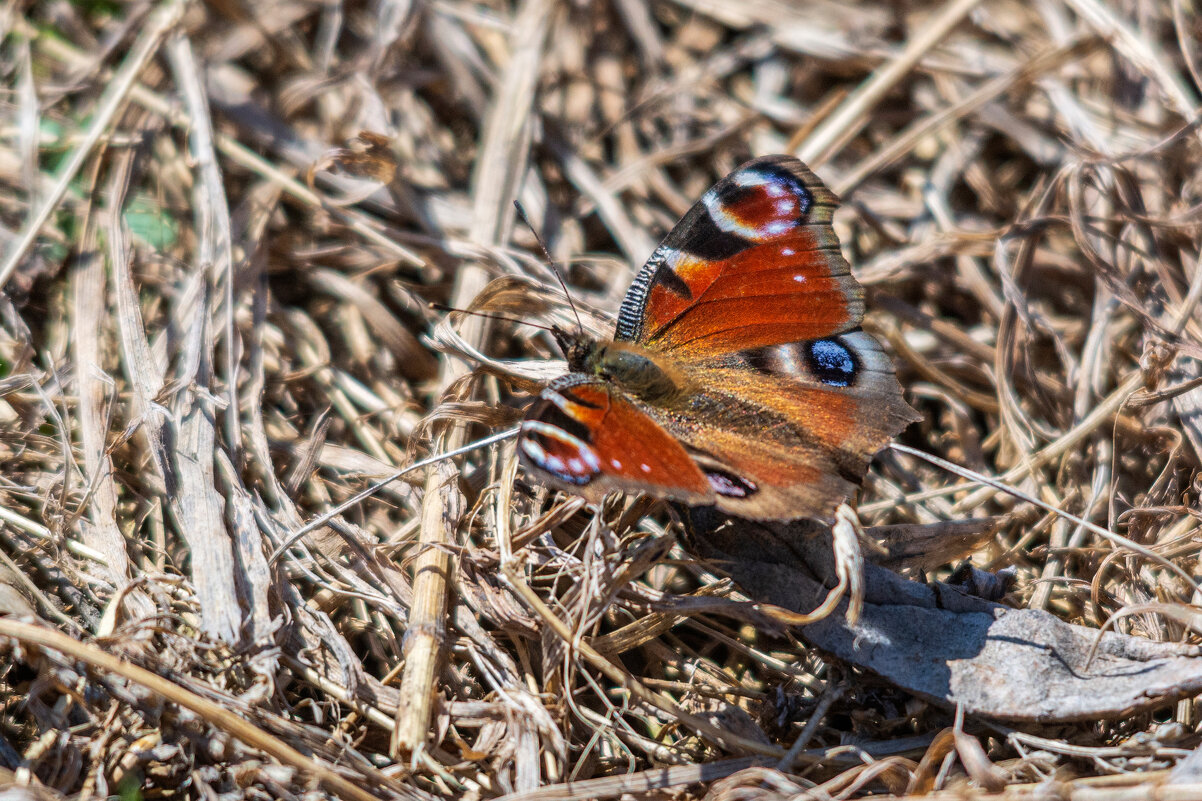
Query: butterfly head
x: 577, y: 347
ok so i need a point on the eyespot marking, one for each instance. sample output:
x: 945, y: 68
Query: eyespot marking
x: 728, y: 485
x: 557, y: 452
x: 554, y: 412
x: 832, y: 362
x: 758, y: 204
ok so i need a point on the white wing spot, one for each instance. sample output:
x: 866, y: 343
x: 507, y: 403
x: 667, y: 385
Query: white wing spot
x: 801, y: 279
x: 753, y: 178
x: 646, y: 468
x: 616, y: 464
x: 590, y: 458
x: 533, y: 450
x: 787, y: 251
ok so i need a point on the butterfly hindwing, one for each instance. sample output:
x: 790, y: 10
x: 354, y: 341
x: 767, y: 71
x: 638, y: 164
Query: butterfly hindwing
x: 799, y: 422
x: 755, y: 262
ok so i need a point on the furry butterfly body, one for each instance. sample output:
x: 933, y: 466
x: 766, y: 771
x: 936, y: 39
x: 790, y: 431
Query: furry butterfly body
x: 738, y: 375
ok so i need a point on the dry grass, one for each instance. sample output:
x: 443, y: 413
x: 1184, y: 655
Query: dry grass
x: 215, y: 326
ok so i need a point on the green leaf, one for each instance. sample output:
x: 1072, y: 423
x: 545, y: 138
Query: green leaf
x: 150, y: 223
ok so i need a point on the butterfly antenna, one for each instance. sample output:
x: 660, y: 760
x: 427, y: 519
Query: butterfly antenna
x: 517, y: 204
x: 490, y: 315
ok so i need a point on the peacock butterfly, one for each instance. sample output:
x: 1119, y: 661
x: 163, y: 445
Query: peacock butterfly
x: 738, y: 375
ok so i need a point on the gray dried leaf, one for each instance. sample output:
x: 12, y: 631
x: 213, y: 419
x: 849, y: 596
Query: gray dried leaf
x: 1018, y: 665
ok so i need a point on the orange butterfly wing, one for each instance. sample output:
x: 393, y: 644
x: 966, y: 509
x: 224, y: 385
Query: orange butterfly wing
x: 784, y: 400
x: 585, y: 435
x: 750, y: 293
x: 801, y: 432
x: 755, y: 262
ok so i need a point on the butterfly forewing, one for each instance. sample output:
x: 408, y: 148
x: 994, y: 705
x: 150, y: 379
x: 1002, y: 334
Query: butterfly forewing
x: 755, y: 262
x: 582, y: 434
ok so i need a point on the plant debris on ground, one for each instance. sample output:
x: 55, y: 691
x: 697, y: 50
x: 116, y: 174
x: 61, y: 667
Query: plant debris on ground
x: 228, y: 234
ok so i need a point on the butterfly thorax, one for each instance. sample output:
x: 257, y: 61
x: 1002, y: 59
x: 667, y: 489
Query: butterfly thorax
x: 638, y: 371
